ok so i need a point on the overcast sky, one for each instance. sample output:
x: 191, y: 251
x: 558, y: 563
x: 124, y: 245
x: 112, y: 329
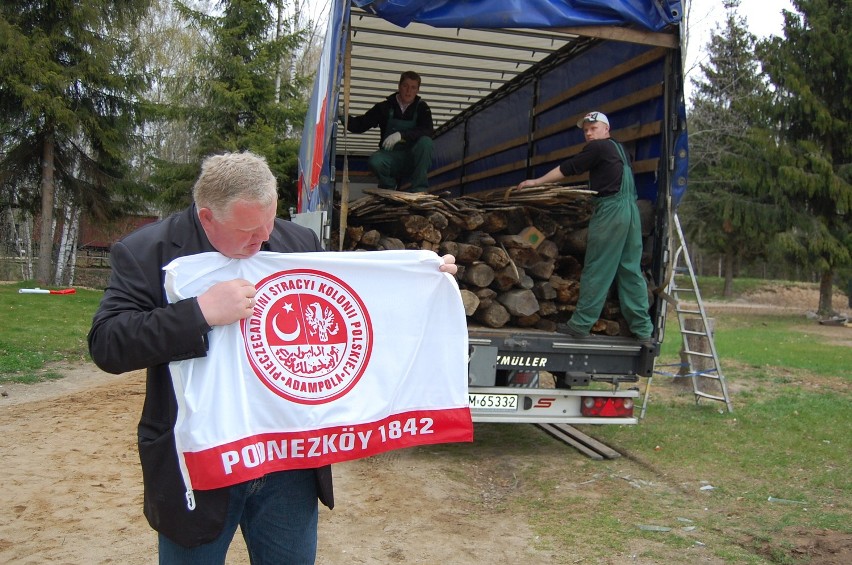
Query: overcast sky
x: 763, y: 18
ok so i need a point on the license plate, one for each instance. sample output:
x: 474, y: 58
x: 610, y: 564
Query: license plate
x: 493, y: 401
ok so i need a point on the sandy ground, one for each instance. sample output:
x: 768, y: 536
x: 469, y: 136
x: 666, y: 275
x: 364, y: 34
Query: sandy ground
x: 72, y: 489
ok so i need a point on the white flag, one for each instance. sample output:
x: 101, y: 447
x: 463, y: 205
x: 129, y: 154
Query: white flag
x: 346, y: 355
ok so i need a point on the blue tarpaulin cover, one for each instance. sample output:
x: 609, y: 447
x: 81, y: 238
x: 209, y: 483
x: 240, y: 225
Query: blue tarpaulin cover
x: 653, y: 15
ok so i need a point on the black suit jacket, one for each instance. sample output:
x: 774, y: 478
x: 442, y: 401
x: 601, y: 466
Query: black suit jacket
x: 136, y: 328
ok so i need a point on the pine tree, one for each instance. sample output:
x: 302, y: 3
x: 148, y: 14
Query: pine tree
x: 812, y: 102
x: 729, y: 208
x: 68, y: 94
x: 235, y: 102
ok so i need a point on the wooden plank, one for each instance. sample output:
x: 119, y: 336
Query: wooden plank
x: 587, y: 445
x: 601, y: 448
x: 603, y: 78
x: 656, y: 39
x: 552, y: 430
x: 633, y: 99
x: 625, y: 135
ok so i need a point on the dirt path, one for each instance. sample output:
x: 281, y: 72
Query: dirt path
x: 72, y: 490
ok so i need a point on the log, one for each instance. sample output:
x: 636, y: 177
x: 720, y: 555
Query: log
x: 486, y: 297
x: 371, y: 238
x: 526, y: 321
x: 608, y: 327
x: 494, y: 315
x: 548, y: 250
x: 569, y: 267
x: 419, y: 228
x: 468, y: 253
x: 542, y: 270
x: 514, y: 241
x: 519, y: 302
x: 469, y: 221
x: 567, y: 293
x: 523, y: 257
x: 494, y: 222
x: 470, y: 302
x: 390, y: 243
x: 355, y: 233
x: 495, y: 257
x: 480, y: 238
x: 544, y: 290
x: 479, y: 274
x: 438, y: 220
x: 544, y: 222
x: 575, y: 241
x: 547, y: 308
x: 506, y: 278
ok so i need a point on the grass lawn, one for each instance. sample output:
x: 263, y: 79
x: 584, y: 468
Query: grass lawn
x: 41, y: 329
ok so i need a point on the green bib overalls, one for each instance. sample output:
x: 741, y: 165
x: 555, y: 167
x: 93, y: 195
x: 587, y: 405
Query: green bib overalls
x: 614, y: 252
x: 405, y: 160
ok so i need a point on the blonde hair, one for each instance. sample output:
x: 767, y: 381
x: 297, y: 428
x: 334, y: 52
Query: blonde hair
x: 229, y: 177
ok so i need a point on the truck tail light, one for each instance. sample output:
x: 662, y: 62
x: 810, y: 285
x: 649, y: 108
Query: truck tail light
x: 607, y: 407
x: 524, y: 378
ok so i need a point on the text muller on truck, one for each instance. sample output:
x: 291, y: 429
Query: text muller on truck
x: 506, y: 88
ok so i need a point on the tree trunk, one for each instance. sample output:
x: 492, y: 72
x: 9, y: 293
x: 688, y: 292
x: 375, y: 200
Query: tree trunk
x: 75, y: 238
x: 67, y: 255
x: 728, y: 289
x: 62, y: 252
x: 279, y: 31
x: 27, y: 266
x: 45, y: 250
x: 826, y: 290
x: 699, y: 344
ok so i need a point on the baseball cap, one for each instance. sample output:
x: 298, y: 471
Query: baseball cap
x: 593, y: 117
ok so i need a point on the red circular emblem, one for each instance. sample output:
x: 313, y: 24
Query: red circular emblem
x: 309, y: 337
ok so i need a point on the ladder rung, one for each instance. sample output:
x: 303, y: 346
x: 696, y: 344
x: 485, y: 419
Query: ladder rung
x: 682, y: 289
x: 693, y: 332
x: 688, y: 311
x: 706, y: 373
x: 711, y: 396
x: 698, y: 353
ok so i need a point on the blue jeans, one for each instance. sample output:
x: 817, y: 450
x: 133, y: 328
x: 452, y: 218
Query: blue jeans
x: 277, y: 515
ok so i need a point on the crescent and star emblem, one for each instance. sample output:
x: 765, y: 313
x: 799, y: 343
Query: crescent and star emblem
x: 285, y: 336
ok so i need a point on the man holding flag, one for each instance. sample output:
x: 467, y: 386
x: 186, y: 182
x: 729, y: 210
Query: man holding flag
x: 136, y: 327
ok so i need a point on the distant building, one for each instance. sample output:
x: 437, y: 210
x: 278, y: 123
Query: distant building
x: 100, y: 236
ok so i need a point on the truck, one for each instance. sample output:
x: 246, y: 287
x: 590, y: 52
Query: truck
x: 507, y: 82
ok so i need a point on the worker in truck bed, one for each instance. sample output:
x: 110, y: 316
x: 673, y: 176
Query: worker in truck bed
x: 405, y: 149
x: 614, y: 248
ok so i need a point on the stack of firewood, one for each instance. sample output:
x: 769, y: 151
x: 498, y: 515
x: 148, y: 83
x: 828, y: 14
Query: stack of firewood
x: 520, y: 252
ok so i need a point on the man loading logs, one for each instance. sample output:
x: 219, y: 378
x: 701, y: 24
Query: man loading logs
x: 614, y: 248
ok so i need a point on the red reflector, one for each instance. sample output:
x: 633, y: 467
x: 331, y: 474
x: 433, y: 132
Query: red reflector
x: 607, y: 407
x: 524, y: 377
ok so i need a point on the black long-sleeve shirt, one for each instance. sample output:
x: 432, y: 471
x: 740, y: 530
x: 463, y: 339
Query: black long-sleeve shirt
x: 601, y: 159
x: 379, y: 113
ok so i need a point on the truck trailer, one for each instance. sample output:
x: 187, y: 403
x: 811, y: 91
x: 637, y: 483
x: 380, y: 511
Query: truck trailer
x: 507, y: 83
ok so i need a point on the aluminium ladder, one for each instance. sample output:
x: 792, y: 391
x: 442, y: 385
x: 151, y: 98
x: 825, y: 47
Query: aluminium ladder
x: 692, y: 310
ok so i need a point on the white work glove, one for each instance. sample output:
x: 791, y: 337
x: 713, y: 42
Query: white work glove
x: 391, y: 140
